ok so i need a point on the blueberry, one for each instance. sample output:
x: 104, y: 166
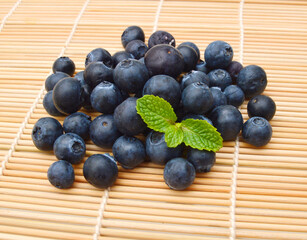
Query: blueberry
x: 164, y: 59
x: 87, y: 91
x: 99, y: 55
x: 202, y: 160
x: 233, y: 69
x: 100, y: 170
x: 161, y: 37
x: 130, y: 75
x: 129, y: 152
x: 97, y: 72
x: 202, y: 66
x: 132, y: 33
x: 194, y: 76
x: 261, y: 106
x: 192, y: 45
x: 219, y: 97
x: 79, y: 76
x: 49, y: 105
x: 137, y: 48
x: 228, y: 121
x: 197, y: 116
x: 120, y: 56
x: 106, y: 97
x: 126, y: 118
x: 69, y: 147
x: 68, y: 95
x: 65, y: 65
x: 197, y: 98
x: 103, y: 131
x: 53, y: 79
x: 165, y: 87
x: 78, y: 123
x: 190, y: 57
x: 257, y: 131
x: 218, y: 54
x: 179, y: 174
x: 61, y: 174
x: 252, y: 80
x: 235, y: 95
x: 157, y: 150
x: 45, y: 131
x: 219, y: 78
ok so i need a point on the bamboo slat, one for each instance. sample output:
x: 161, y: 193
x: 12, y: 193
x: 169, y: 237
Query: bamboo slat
x: 251, y: 193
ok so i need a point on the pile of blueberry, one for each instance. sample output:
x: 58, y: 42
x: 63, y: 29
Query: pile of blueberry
x: 210, y: 90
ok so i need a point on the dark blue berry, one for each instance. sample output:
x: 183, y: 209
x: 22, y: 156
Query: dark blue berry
x: 202, y: 160
x: 87, y: 91
x: 219, y: 78
x: 45, y: 131
x: 69, y: 147
x: 79, y: 76
x: 49, y: 105
x: 64, y: 64
x: 99, y: 55
x: 161, y: 37
x: 194, y: 76
x: 132, y: 33
x: 190, y: 57
x: 219, y: 97
x: 100, y: 170
x: 252, y: 80
x: 78, y: 123
x: 218, y: 54
x: 103, y: 131
x: 179, y: 174
x: 120, y: 56
x: 257, y: 131
x: 129, y: 152
x: 61, y: 174
x: 97, y: 72
x: 235, y: 95
x: 233, y: 69
x: 137, y: 48
x: 202, y: 66
x: 194, y: 46
x: 53, y: 79
x: 261, y: 106
x: 157, y: 150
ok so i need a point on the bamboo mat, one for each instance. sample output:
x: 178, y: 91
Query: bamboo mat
x: 251, y: 193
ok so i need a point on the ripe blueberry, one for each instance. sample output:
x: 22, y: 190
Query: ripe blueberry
x: 61, y: 174
x: 202, y: 160
x: 233, y: 69
x: 137, y: 48
x: 194, y: 76
x: 190, y: 57
x: 218, y: 54
x: 161, y: 37
x: 120, y: 56
x: 99, y: 55
x: 49, y: 105
x: 132, y: 33
x: 261, y: 106
x: 97, y: 72
x: 65, y: 65
x: 219, y: 78
x: 219, y: 97
x: 193, y: 45
x: 78, y: 123
x: 235, y: 95
x: 53, y: 79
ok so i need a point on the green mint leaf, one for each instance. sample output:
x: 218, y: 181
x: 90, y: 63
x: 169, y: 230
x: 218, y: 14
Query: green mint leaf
x: 157, y: 113
x: 174, y: 135
x: 201, y: 135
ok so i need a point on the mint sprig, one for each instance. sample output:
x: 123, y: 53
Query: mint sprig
x: 159, y: 115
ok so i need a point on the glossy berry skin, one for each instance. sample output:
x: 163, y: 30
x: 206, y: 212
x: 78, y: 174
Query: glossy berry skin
x: 218, y: 54
x: 190, y: 57
x: 197, y: 116
x: 120, y: 56
x: 100, y: 170
x: 228, y: 121
x: 79, y: 76
x: 164, y: 59
x: 202, y: 66
x: 202, y: 160
x: 53, y: 79
x: 126, y: 118
x: 129, y: 152
x: 234, y: 69
x: 257, y: 131
x: 219, y: 97
x: 261, y: 106
x: 192, y: 45
x: 99, y: 55
x: 157, y: 150
x: 49, y: 105
x: 194, y: 76
x: 252, y: 80
x: 137, y: 48
x: 44, y: 133
x: 65, y: 65
x: 106, y: 97
x: 61, y: 174
x: 130, y: 75
x: 161, y: 37
x: 97, y: 72
x: 132, y: 33
x: 70, y: 147
x: 219, y: 78
x: 197, y: 98
x: 68, y: 95
x: 179, y: 174
x: 235, y: 95
x: 103, y: 131
x: 78, y: 123
x: 165, y: 87
x: 87, y: 91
